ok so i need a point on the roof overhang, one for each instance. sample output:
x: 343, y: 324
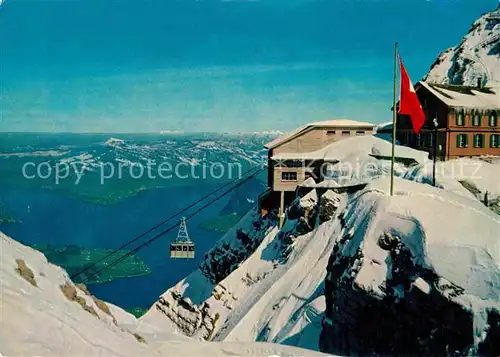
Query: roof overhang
x: 318, y: 125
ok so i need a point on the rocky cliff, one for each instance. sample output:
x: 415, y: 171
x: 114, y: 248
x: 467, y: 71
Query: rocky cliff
x: 476, y: 57
x: 410, y: 275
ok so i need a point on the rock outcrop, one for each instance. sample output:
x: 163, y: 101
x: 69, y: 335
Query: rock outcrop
x: 477, y: 57
x: 397, y: 286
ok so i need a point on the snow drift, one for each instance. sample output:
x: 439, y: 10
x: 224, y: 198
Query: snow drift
x: 44, y: 314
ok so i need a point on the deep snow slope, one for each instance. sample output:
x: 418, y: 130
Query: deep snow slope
x: 275, y: 294
x: 42, y: 313
x: 474, y: 178
x: 414, y: 274
x: 41, y: 320
x: 476, y: 57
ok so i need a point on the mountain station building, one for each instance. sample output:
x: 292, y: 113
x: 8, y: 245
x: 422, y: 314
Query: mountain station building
x: 467, y: 118
x: 285, y: 175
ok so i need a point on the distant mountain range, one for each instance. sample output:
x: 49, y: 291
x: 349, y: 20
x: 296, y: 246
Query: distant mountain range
x: 194, y: 155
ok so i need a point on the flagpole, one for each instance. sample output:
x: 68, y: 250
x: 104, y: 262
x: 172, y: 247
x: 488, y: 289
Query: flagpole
x: 394, y: 116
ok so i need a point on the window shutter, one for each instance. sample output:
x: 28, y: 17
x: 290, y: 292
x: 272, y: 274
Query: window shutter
x: 482, y: 140
x: 458, y: 140
x: 492, y: 140
x: 466, y: 140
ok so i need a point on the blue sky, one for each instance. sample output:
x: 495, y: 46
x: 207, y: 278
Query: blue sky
x: 226, y: 66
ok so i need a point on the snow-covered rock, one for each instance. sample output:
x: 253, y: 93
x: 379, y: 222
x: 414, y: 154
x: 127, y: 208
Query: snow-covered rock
x: 329, y: 204
x: 42, y: 313
x: 205, y: 287
x: 413, y: 274
x: 47, y: 315
x: 273, y: 292
x: 476, y: 57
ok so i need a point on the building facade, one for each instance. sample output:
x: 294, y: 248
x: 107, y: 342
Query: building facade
x: 467, y: 117
x: 284, y: 175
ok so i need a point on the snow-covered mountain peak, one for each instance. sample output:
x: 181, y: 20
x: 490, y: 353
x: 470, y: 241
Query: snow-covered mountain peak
x: 477, y: 57
x: 114, y: 142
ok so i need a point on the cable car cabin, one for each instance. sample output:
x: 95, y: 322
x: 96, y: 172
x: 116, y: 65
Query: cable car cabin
x: 182, y: 247
x: 182, y: 250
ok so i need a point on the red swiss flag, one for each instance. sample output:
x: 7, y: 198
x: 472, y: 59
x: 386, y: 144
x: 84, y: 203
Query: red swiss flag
x: 408, y: 101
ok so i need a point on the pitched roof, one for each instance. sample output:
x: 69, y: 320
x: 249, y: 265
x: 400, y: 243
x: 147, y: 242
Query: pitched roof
x: 464, y: 97
x: 339, y: 123
x: 353, y: 147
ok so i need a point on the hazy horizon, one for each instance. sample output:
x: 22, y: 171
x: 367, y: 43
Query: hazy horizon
x: 213, y: 66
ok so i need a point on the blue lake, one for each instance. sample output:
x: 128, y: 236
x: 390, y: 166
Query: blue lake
x: 58, y: 220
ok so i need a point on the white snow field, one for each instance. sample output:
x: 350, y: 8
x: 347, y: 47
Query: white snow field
x: 461, y: 236
x: 482, y: 174
x: 42, y: 321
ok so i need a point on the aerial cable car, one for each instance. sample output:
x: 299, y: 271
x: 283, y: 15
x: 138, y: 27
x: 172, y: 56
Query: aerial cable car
x: 183, y: 246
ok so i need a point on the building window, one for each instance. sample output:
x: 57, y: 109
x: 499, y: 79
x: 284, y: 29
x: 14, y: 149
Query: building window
x: 479, y: 140
x: 288, y: 176
x: 430, y: 140
x: 292, y: 163
x: 460, y: 118
x: 476, y: 119
x: 420, y: 139
x: 462, y: 140
x: 331, y: 132
x: 493, y: 119
x: 360, y: 132
x: 346, y: 132
x: 495, y: 141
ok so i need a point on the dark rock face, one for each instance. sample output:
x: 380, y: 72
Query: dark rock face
x: 328, y: 206
x: 491, y: 345
x: 224, y: 257
x: 305, y: 211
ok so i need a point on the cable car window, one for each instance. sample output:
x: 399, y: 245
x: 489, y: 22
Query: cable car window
x: 191, y: 248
